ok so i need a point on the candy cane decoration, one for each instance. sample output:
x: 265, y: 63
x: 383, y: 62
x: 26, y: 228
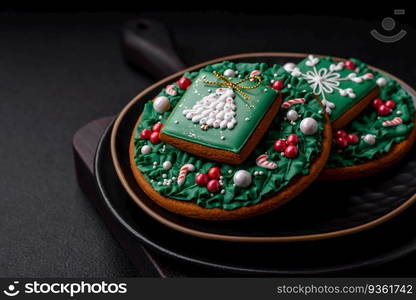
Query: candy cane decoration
x: 170, y: 89
x: 183, y: 171
x: 262, y: 161
x: 396, y: 121
x: 289, y: 103
x: 255, y: 73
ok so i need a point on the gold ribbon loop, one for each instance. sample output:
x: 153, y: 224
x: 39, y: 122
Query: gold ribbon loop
x: 236, y: 85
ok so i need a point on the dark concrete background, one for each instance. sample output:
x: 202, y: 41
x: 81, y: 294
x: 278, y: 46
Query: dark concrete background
x: 59, y: 71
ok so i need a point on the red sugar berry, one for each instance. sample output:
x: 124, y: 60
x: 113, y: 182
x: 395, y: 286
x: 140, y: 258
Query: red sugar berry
x: 280, y: 145
x: 350, y: 65
x: 390, y: 104
x: 202, y: 179
x: 184, y: 83
x: 341, y: 133
x: 384, y: 110
x: 214, y: 173
x: 277, y: 85
x: 145, y: 134
x: 377, y: 103
x: 341, y: 142
x: 157, y: 127
x: 154, y: 137
x: 291, y: 151
x: 353, y: 139
x: 213, y: 186
x: 292, y: 139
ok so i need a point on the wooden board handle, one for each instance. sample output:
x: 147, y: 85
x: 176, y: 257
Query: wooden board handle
x: 147, y: 45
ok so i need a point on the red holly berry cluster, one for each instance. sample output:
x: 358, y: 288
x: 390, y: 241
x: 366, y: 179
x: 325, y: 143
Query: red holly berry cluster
x: 152, y: 135
x: 288, y: 146
x: 184, y: 83
x: 210, y: 180
x: 343, y: 139
x: 384, y: 108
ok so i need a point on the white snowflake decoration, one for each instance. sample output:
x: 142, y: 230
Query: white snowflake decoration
x: 325, y: 81
x: 216, y: 110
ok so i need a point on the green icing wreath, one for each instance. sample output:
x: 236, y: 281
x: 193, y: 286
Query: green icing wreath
x: 265, y: 182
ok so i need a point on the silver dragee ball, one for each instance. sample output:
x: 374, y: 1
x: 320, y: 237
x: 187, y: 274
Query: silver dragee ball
x: 370, y: 139
x: 308, y: 126
x: 292, y: 115
x: 381, y: 81
x: 146, y: 149
x: 242, y: 178
x: 161, y: 104
x: 229, y: 73
x: 167, y: 165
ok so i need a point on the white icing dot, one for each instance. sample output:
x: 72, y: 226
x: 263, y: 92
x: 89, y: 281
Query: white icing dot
x: 261, y: 173
x: 164, y: 176
x: 222, y: 191
x: 230, y: 171
x: 288, y: 67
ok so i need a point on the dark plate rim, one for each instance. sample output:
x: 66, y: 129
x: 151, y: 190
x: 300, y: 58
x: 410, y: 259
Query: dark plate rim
x: 378, y: 260
x: 232, y: 238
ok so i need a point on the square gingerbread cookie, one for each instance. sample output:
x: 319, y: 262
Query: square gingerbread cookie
x: 344, y: 88
x: 222, y: 116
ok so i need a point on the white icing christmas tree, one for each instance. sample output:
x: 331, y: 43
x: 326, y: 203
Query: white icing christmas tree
x: 216, y: 110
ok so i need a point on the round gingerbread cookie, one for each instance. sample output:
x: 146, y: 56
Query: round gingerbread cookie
x: 290, y: 155
x: 377, y: 138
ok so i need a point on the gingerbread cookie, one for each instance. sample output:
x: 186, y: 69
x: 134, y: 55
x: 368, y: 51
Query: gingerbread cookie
x: 288, y: 158
x: 222, y: 115
x: 376, y: 139
x: 344, y: 87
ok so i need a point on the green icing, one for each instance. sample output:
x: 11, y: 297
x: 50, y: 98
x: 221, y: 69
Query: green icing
x: 262, y: 186
x: 329, y: 83
x: 369, y: 122
x: 248, y: 113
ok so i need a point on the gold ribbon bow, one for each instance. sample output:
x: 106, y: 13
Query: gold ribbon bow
x: 235, y: 85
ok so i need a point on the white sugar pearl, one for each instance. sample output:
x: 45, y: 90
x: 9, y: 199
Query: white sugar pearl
x: 242, y: 178
x: 370, y: 139
x: 309, y: 126
x: 146, y: 149
x: 292, y: 115
x: 161, y: 104
x: 167, y: 165
x: 381, y: 81
x: 229, y: 73
x: 289, y: 66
